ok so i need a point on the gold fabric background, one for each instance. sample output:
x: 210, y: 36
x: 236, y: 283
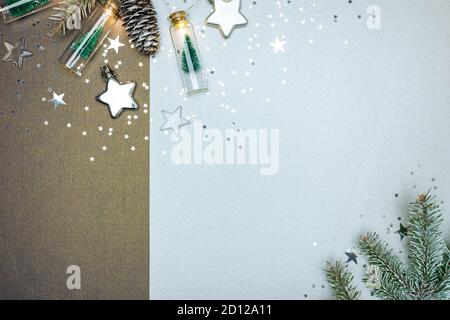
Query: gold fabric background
x: 57, y: 208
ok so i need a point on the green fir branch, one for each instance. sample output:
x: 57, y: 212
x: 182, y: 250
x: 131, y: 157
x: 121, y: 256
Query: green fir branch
x: 393, y: 272
x: 341, y: 281
x: 428, y: 274
x: 442, y: 291
x: 426, y: 245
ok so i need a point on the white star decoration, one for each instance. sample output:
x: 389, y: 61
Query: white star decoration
x: 226, y: 16
x: 174, y: 120
x: 278, y: 45
x: 57, y: 100
x: 115, y: 44
x: 118, y: 96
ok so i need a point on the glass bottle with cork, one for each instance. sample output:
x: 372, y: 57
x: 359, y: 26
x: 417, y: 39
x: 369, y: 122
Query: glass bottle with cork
x: 90, y: 37
x: 186, y: 50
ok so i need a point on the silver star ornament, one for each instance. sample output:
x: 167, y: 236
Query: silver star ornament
x: 16, y: 53
x: 174, y: 121
x: 118, y: 95
x: 57, y: 100
x: 226, y: 16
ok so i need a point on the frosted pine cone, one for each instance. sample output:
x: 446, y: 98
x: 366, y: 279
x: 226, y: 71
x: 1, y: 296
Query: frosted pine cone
x: 141, y: 24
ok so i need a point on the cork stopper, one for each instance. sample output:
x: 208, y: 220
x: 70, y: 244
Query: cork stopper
x: 178, y: 17
x: 112, y: 7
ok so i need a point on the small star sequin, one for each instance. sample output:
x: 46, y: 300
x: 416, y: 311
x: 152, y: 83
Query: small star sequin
x: 278, y: 45
x: 57, y: 100
x: 115, y: 44
x: 351, y: 257
x: 403, y: 231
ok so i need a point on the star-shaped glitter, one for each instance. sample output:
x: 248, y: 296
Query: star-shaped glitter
x: 403, y: 231
x: 278, y: 45
x: 226, y: 16
x: 57, y: 100
x: 174, y: 120
x: 115, y: 44
x: 16, y: 53
x: 351, y: 256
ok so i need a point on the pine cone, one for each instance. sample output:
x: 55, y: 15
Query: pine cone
x: 141, y: 24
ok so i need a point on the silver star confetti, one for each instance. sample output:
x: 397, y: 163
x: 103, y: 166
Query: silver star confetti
x: 115, y: 44
x: 278, y: 45
x: 16, y: 53
x: 351, y: 256
x: 226, y: 16
x: 57, y: 100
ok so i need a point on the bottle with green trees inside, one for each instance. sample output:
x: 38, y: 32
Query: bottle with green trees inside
x: 189, y: 57
x: 187, y: 53
x: 16, y: 9
x: 90, y: 37
x: 87, y: 43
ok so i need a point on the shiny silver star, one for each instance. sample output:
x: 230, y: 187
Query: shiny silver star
x: 16, y: 53
x: 226, y: 16
x: 57, y: 100
x: 174, y: 120
x: 118, y: 96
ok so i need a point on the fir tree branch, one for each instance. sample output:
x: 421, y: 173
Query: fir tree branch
x: 443, y: 285
x: 393, y: 278
x: 385, y: 292
x: 426, y: 245
x: 65, y: 12
x: 340, y: 280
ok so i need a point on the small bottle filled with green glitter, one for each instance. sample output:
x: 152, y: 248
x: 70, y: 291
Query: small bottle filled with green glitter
x: 12, y: 10
x: 90, y: 37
